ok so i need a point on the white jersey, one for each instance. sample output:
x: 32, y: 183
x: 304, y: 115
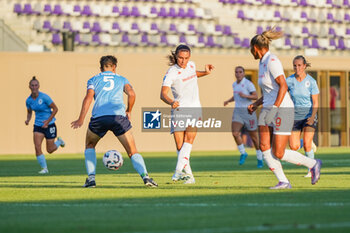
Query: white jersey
x: 183, y: 83
x: 270, y: 68
x: 246, y: 87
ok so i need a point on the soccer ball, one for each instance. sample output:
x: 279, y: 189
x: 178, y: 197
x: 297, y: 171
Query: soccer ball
x: 112, y: 160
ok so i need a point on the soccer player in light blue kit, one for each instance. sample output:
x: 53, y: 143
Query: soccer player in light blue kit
x: 304, y: 92
x: 44, y: 126
x: 109, y: 113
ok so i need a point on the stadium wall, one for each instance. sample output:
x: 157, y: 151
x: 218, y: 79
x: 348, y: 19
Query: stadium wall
x: 64, y: 75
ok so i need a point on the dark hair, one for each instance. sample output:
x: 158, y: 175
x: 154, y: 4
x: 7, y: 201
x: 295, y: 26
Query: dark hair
x: 301, y: 57
x: 172, y: 58
x: 263, y: 40
x: 33, y: 79
x: 240, y: 67
x: 108, y: 60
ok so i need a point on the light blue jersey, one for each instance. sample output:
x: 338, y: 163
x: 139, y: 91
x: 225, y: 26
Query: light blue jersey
x: 41, y: 107
x: 109, y: 88
x: 301, y: 93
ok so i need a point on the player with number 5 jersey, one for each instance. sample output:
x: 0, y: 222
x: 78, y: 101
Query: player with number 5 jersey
x: 277, y: 114
x: 109, y: 114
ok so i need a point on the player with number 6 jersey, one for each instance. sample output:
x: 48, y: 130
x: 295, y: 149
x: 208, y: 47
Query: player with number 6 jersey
x: 109, y: 114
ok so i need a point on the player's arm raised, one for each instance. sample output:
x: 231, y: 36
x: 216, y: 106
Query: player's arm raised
x: 84, y: 109
x: 166, y: 99
x: 208, y: 69
x: 129, y: 91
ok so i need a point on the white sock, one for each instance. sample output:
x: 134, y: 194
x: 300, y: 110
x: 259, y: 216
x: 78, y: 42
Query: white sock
x: 275, y: 166
x: 295, y: 157
x: 187, y: 169
x: 241, y: 148
x: 259, y: 154
x: 183, y: 157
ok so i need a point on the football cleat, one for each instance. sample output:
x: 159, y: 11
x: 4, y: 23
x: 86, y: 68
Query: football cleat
x: 177, y: 176
x: 62, y: 142
x: 43, y: 171
x: 191, y: 180
x: 149, y: 182
x: 316, y: 171
x: 185, y: 176
x: 260, y: 163
x: 308, y: 174
x: 282, y: 185
x: 89, y: 183
x: 242, y: 158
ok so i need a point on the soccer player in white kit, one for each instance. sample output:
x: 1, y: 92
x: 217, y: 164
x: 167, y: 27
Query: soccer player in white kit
x: 243, y: 93
x: 181, y: 78
x: 277, y: 114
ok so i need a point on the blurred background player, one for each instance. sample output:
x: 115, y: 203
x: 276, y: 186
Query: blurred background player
x: 277, y: 115
x: 182, y: 77
x: 109, y: 113
x: 304, y: 92
x: 243, y: 93
x: 44, y: 126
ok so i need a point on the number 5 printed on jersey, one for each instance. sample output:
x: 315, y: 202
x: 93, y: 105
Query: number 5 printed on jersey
x: 111, y: 82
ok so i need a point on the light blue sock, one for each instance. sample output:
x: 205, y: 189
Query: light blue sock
x: 310, y: 154
x: 58, y: 143
x: 42, y: 161
x: 90, y: 161
x: 139, y: 164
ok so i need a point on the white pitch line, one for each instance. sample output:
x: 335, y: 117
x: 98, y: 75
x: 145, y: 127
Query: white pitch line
x: 179, y: 204
x: 261, y: 228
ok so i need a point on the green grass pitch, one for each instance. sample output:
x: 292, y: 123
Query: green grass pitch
x: 226, y: 197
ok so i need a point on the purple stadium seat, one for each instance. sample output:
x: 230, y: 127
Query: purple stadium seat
x: 67, y: 26
x: 47, y: 9
x: 303, y: 3
x: 172, y: 28
x: 227, y: 30
x: 237, y: 42
x: 86, y: 11
x: 259, y: 30
x: 57, y: 10
x: 341, y: 44
x: 17, y: 8
x: 305, y: 31
x: 172, y: 12
x: 47, y: 26
x: 182, y: 13
x: 218, y: 29
x: 210, y: 42
x: 125, y: 40
x: 240, y: 15
x: 164, y: 40
x: 306, y: 43
x: 86, y: 26
x: 135, y: 12
x: 303, y: 16
x: 56, y: 39
x: 96, y: 39
x: 154, y: 28
x: 314, y: 43
x: 192, y: 29
x: 331, y: 32
x: 162, y: 12
x: 28, y: 9
x: 201, y: 40
x: 330, y: 17
x: 77, y: 9
x: 96, y: 27
x: 115, y: 11
x: 332, y: 43
x: 246, y: 43
x: 288, y: 42
x: 125, y: 12
x: 346, y: 18
x: 347, y: 33
x: 183, y: 39
x: 115, y: 28
x: 242, y: 2
x: 191, y: 13
x: 154, y: 11
x: 268, y: 2
x: 135, y: 28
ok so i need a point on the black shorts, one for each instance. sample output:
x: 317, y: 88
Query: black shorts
x: 301, y: 124
x: 117, y: 124
x: 50, y: 132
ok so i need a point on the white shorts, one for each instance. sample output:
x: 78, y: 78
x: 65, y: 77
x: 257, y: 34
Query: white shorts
x: 182, y: 118
x: 242, y: 116
x: 283, y: 123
